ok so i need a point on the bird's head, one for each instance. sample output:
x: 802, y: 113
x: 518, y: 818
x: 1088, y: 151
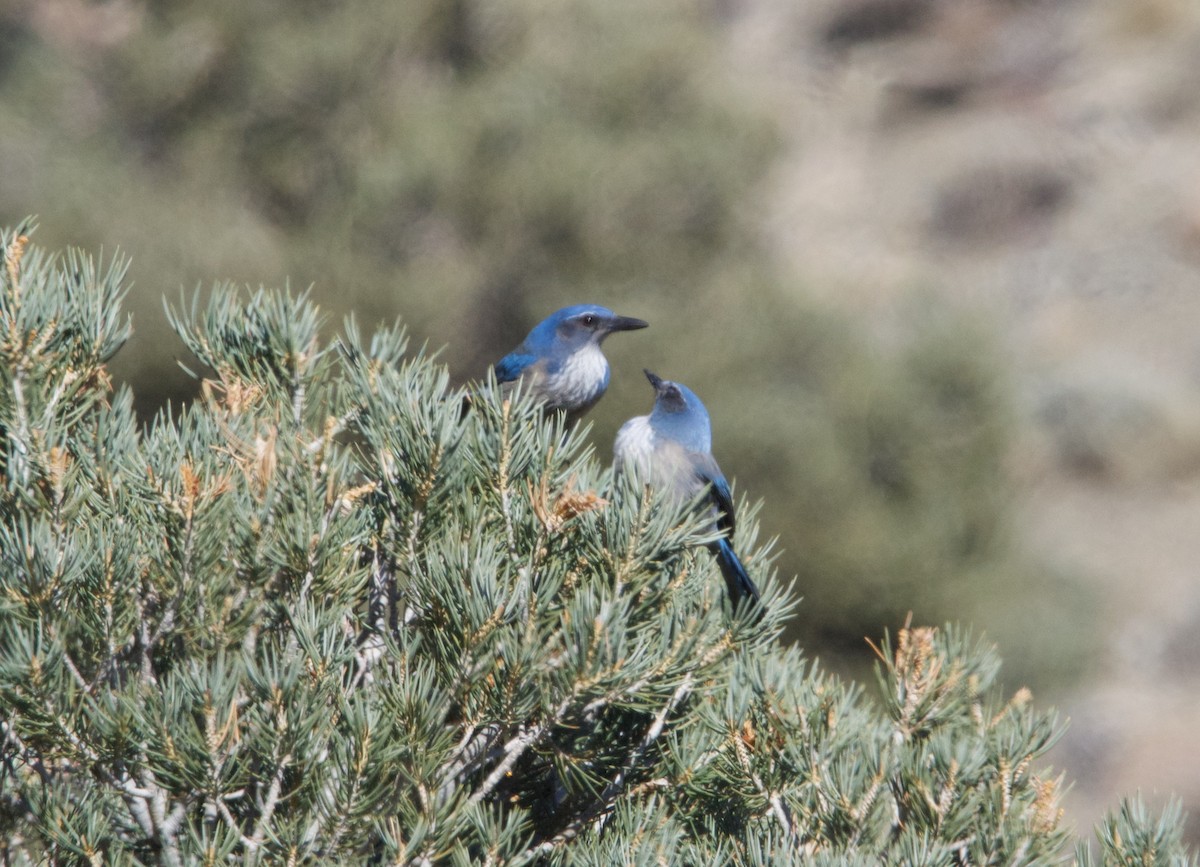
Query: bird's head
x: 680, y: 414
x: 577, y: 326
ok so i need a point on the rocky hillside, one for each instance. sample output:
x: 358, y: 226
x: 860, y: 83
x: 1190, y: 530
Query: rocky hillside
x: 1037, y: 163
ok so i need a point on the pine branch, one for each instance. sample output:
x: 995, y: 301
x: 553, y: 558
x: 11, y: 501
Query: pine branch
x: 604, y: 801
x: 267, y: 808
x: 151, y: 575
x: 502, y: 476
x: 515, y: 748
x: 778, y: 809
x: 29, y: 757
x: 472, y: 751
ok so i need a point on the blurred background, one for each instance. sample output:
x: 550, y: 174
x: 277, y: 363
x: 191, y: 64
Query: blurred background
x: 932, y: 264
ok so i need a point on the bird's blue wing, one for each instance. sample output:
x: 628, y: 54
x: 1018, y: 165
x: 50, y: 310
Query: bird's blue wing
x: 722, y: 497
x: 511, y: 366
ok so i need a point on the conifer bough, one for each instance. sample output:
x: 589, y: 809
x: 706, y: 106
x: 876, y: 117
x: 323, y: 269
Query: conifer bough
x: 319, y: 616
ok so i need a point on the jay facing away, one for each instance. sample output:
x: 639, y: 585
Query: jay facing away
x: 671, y: 450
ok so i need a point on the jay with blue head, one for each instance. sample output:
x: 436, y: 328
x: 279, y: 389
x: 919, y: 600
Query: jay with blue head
x: 560, y: 362
x: 671, y: 450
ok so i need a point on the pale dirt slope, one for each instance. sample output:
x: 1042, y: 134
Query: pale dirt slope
x: 1038, y: 162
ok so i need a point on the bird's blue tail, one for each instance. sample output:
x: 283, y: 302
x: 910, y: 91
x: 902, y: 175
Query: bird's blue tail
x: 736, y: 578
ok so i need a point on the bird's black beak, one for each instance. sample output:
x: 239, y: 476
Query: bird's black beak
x: 655, y: 381
x: 626, y: 323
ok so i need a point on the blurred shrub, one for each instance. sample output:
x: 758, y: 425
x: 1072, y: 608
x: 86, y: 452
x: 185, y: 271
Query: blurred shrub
x: 472, y: 166
x: 469, y: 164
x: 884, y: 466
x: 1109, y: 418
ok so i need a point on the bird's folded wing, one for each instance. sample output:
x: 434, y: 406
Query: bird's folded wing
x: 514, y: 365
x: 708, y: 471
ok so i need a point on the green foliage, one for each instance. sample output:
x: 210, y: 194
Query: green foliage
x: 1131, y: 836
x: 477, y: 157
x: 322, y: 615
x: 887, y: 470
x: 899, y: 483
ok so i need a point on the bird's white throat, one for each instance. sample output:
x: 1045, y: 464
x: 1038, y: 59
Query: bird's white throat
x: 582, y: 375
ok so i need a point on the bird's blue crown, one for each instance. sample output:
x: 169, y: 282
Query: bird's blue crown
x: 680, y: 415
x: 568, y: 328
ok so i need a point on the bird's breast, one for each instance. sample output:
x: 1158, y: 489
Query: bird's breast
x: 661, y: 462
x: 634, y: 446
x: 580, y: 379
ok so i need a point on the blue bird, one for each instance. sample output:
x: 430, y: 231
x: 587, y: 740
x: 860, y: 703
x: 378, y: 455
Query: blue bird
x: 560, y: 363
x: 671, y: 450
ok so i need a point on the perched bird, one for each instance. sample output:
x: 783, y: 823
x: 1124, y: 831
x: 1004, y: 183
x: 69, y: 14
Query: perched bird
x: 560, y: 362
x: 671, y: 450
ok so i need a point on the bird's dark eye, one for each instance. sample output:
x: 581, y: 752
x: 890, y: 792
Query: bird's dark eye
x: 588, y: 319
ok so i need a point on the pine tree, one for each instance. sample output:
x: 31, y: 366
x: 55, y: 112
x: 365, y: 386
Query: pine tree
x: 324, y: 615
